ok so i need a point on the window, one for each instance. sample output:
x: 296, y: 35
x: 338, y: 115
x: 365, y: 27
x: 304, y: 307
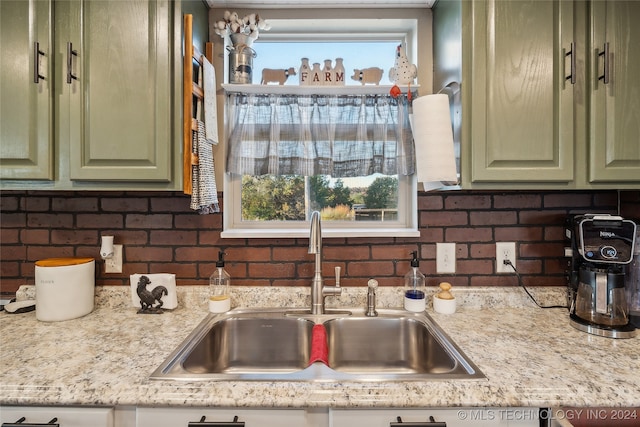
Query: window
x: 356, y: 55
x: 278, y: 205
x: 290, y: 221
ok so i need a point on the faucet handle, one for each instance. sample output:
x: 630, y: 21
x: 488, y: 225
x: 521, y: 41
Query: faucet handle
x: 371, y: 298
x: 338, y: 269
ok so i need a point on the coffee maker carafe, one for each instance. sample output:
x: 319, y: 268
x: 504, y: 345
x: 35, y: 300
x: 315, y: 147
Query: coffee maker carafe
x: 602, y: 245
x: 633, y: 284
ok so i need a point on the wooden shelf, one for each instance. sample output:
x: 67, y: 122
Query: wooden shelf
x: 314, y: 90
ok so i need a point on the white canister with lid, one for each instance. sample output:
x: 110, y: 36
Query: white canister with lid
x: 65, y: 288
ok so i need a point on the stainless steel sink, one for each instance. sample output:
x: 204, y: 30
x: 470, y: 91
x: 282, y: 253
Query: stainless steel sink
x: 275, y: 344
x: 390, y: 345
x: 250, y: 344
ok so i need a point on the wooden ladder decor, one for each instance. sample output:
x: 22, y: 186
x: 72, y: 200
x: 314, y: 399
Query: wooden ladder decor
x: 191, y: 90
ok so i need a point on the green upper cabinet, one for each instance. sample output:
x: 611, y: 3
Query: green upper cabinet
x: 614, y: 137
x: 535, y: 114
x: 120, y: 104
x: 113, y: 86
x: 26, y: 73
x: 521, y: 119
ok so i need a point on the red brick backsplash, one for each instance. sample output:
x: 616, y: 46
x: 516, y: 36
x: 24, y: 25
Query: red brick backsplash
x: 161, y: 234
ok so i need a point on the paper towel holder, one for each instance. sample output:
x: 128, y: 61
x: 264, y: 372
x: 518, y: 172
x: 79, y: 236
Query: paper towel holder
x: 452, y: 87
x: 433, y: 135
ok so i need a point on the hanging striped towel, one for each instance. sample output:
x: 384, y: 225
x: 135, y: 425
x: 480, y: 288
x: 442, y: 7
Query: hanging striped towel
x: 204, y: 197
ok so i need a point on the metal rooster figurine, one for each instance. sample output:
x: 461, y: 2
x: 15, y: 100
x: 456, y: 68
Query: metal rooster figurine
x: 149, y: 298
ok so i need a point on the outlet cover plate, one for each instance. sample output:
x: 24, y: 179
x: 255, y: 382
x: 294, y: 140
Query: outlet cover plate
x: 505, y: 250
x: 114, y: 264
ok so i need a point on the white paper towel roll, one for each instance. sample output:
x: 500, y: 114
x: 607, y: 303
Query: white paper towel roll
x: 433, y: 136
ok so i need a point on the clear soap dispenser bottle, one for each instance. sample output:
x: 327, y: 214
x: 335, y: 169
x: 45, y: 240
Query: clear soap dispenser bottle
x: 414, y: 287
x: 219, y: 282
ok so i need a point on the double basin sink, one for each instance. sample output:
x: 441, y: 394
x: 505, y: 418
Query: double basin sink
x: 294, y: 345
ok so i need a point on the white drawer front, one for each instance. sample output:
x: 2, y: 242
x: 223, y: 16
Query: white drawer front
x: 454, y: 417
x: 180, y: 417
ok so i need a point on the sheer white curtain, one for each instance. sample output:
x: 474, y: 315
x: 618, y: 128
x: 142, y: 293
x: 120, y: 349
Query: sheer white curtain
x: 341, y: 136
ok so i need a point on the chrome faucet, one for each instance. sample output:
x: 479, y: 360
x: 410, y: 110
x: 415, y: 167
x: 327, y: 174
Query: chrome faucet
x: 318, y: 290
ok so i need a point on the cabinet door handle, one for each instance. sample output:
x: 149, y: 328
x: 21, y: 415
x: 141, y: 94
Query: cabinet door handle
x: 605, y: 53
x: 70, y: 54
x: 571, y: 53
x: 36, y: 63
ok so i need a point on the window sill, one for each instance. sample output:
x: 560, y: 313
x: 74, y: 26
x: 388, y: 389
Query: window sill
x: 326, y: 233
x: 314, y: 90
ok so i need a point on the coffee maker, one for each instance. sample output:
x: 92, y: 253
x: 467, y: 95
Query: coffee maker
x: 601, y: 247
x: 633, y: 284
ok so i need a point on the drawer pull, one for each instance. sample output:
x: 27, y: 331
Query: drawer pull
x: 431, y: 423
x: 21, y: 423
x: 203, y: 423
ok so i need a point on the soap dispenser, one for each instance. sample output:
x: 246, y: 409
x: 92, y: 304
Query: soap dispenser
x: 414, y: 287
x: 219, y: 282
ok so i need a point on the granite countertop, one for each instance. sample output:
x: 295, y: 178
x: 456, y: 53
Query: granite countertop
x: 530, y: 357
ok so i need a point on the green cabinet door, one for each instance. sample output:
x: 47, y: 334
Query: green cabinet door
x: 26, y: 138
x: 118, y: 113
x: 520, y: 127
x: 614, y: 137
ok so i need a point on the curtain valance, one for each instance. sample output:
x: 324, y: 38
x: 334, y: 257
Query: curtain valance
x: 337, y: 135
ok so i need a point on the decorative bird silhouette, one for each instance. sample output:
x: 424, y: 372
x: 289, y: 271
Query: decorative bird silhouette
x: 148, y: 298
x: 402, y: 73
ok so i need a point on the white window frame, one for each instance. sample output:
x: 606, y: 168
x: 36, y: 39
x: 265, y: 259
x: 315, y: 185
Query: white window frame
x: 406, y: 224
x: 235, y: 227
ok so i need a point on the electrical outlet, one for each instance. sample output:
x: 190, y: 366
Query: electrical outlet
x: 445, y: 257
x: 505, y: 251
x: 114, y: 264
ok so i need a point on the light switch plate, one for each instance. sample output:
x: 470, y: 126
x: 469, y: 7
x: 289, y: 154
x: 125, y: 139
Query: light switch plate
x: 445, y: 258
